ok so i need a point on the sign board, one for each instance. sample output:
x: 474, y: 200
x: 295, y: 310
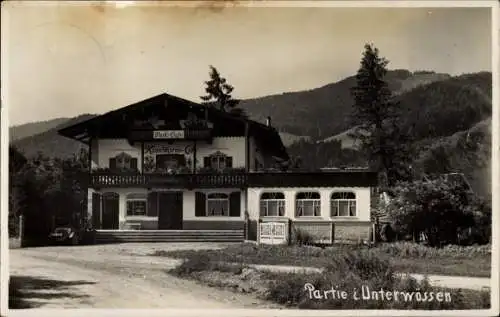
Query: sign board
x: 272, y: 233
x: 168, y: 134
x: 169, y: 149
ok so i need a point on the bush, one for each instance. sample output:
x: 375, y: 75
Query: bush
x: 437, y: 209
x: 203, y: 262
x: 302, y: 237
x: 415, y: 250
x: 364, y: 270
x: 193, y: 264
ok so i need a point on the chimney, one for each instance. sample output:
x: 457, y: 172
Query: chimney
x: 268, y: 121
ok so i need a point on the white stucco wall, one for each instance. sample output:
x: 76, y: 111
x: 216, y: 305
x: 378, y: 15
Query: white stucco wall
x: 188, y: 210
x: 188, y: 203
x: 111, y: 147
x: 362, y: 202
x: 123, y: 192
x: 231, y: 146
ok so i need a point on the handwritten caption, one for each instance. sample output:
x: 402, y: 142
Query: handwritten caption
x: 365, y: 293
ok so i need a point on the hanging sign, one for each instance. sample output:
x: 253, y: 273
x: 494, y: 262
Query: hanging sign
x: 168, y: 134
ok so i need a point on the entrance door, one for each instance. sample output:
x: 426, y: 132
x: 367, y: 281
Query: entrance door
x: 110, y: 211
x: 170, y: 211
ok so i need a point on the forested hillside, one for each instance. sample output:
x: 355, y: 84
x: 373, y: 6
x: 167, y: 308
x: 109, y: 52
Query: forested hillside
x: 325, y: 111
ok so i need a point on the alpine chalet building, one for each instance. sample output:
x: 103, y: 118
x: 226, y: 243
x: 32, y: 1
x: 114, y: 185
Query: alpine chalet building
x: 168, y: 169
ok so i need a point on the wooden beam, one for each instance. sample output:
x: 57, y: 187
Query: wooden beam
x: 90, y: 155
x: 247, y: 148
x: 142, y: 157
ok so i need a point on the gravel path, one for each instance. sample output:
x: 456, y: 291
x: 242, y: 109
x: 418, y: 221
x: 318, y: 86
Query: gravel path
x: 114, y: 276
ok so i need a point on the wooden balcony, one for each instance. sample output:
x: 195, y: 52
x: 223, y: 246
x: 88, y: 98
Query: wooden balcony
x: 236, y: 180
x: 179, y: 181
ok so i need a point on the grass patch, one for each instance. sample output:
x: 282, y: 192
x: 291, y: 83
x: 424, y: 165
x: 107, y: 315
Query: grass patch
x: 203, y: 262
x: 405, y: 257
x: 349, y: 271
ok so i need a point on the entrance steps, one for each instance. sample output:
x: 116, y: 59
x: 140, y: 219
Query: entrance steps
x: 121, y: 236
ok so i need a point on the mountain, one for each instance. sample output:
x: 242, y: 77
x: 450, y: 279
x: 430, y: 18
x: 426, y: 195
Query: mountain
x: 440, y: 108
x: 19, y: 132
x: 325, y: 111
x: 345, y: 139
x: 49, y: 142
x: 467, y: 152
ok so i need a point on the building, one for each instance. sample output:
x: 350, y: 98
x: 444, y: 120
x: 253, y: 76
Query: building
x: 168, y: 169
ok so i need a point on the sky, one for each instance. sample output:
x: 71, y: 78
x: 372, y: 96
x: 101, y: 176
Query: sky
x: 63, y: 59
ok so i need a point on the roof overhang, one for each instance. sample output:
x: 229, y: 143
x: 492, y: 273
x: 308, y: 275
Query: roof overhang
x: 84, y: 131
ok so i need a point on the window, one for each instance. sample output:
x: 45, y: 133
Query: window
x: 343, y: 204
x: 218, y: 160
x: 308, y: 204
x: 272, y: 204
x: 123, y: 161
x: 170, y: 161
x: 217, y: 204
x: 136, y: 205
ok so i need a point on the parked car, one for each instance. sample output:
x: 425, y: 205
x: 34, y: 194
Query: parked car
x: 66, y: 235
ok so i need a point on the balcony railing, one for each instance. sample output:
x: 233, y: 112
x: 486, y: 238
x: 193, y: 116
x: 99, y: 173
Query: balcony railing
x: 236, y: 180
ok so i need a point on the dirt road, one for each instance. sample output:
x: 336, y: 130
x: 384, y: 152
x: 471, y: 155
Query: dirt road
x: 113, y: 276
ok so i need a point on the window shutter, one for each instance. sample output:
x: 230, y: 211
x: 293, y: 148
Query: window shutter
x: 206, y: 161
x: 152, y: 204
x: 229, y: 162
x: 234, y: 204
x: 133, y: 163
x: 112, y: 163
x: 200, y: 204
x: 96, y: 211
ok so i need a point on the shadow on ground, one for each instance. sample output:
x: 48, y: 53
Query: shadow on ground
x: 32, y: 292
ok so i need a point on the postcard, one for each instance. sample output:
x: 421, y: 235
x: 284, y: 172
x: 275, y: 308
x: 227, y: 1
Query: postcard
x: 239, y: 158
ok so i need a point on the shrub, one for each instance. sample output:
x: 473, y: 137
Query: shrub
x: 436, y: 208
x: 352, y: 270
x: 203, y: 262
x: 415, y: 250
x: 194, y: 264
x: 302, y: 237
x: 290, y: 290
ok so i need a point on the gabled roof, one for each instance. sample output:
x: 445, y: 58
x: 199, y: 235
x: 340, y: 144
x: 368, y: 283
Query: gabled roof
x: 119, y: 118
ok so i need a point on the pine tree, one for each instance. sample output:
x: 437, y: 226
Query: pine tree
x: 376, y: 116
x: 219, y: 93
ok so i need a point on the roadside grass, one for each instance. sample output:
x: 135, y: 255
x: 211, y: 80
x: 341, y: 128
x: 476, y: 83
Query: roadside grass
x: 405, y: 257
x: 350, y: 271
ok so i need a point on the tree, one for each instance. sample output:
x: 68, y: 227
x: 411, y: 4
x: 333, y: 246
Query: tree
x: 376, y: 117
x: 17, y: 162
x: 219, y: 94
x: 439, y: 209
x: 45, y: 189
